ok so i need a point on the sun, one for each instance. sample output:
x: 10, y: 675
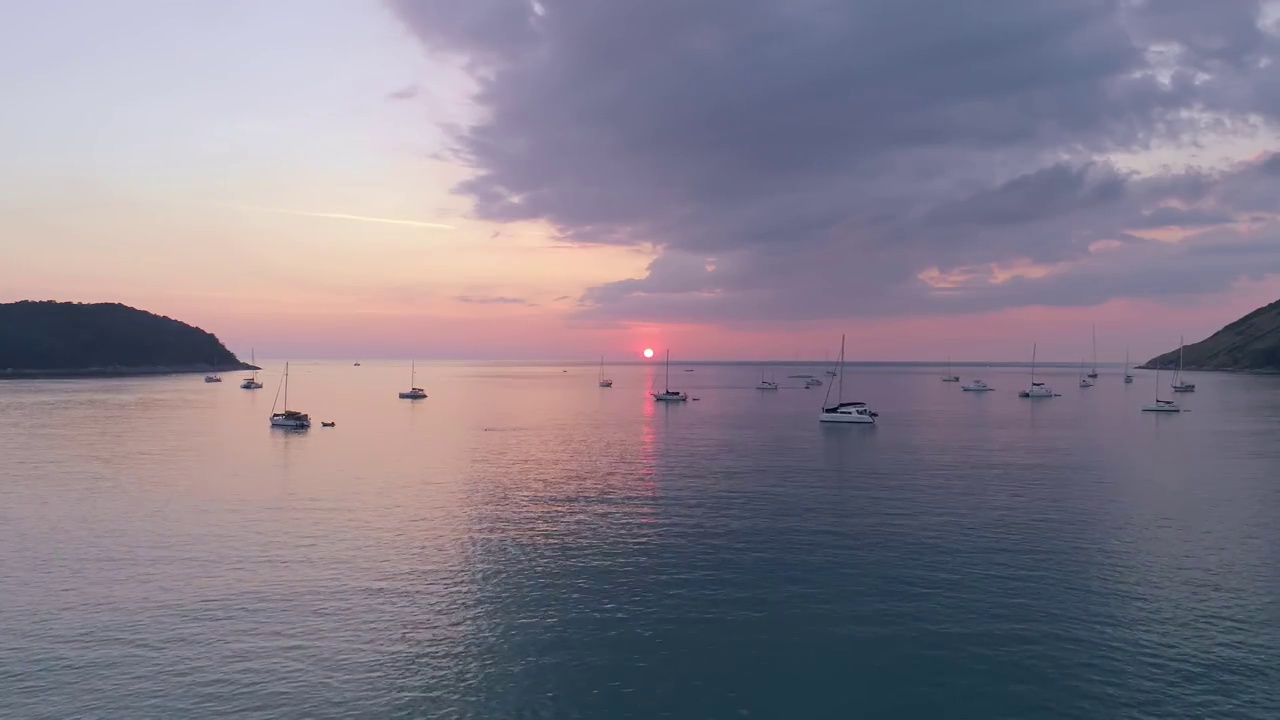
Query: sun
x: 648, y: 352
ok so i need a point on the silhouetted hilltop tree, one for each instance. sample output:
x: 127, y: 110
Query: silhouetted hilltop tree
x: 63, y: 336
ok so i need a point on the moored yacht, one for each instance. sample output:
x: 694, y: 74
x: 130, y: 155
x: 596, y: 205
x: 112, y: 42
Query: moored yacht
x: 841, y: 411
x: 414, y: 392
x: 766, y: 384
x: 976, y: 386
x: 1180, y: 384
x: 287, y: 418
x: 603, y: 381
x: 667, y: 394
x: 251, y: 382
x: 1165, y: 406
x: 212, y: 378
x: 950, y: 377
x: 1128, y: 376
x: 1037, y: 389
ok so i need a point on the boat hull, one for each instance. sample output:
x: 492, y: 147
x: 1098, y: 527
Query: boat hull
x: 966, y: 388
x: 606, y: 383
x: 1184, y: 388
x: 846, y: 418
x: 290, y: 424
x: 1161, y: 409
x: 412, y: 396
x: 662, y: 397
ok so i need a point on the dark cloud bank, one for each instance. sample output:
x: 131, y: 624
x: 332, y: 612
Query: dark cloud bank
x: 818, y: 158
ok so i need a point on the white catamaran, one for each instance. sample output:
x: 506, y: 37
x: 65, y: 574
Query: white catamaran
x: 604, y: 381
x: 251, y: 383
x: 1179, y: 384
x: 1037, y: 389
x: 844, y: 412
x: 288, y: 418
x: 667, y: 394
x: 414, y: 392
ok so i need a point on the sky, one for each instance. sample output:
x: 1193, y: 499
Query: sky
x: 564, y: 179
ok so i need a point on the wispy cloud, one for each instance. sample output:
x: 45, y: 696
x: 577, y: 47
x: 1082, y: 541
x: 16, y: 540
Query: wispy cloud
x: 492, y: 300
x: 346, y: 216
x: 407, y: 92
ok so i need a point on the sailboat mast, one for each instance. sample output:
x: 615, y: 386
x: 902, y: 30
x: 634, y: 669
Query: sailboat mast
x: 286, y: 387
x: 1095, y: 349
x: 413, y: 372
x: 840, y: 382
x: 1177, y: 376
x: 1033, y: 363
x: 667, y: 381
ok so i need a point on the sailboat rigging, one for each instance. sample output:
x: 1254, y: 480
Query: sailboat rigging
x: 414, y: 392
x: 844, y: 412
x: 251, y: 383
x: 667, y: 394
x: 1037, y: 389
x: 604, y: 381
x: 1180, y: 385
x: 288, y: 418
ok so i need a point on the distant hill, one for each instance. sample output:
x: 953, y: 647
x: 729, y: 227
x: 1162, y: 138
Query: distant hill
x: 1250, y: 343
x: 58, y: 338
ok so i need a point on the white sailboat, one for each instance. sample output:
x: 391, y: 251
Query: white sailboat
x: 844, y: 412
x: 667, y: 394
x: 212, y: 378
x: 1093, y: 374
x: 1085, y: 381
x: 604, y: 381
x: 251, y: 383
x: 1165, y: 406
x: 287, y: 418
x: 949, y: 377
x: 414, y: 392
x: 976, y: 386
x: 1128, y: 376
x: 766, y: 384
x: 1037, y: 389
x: 1180, y: 385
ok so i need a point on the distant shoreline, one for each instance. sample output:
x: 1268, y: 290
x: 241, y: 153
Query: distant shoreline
x: 109, y: 372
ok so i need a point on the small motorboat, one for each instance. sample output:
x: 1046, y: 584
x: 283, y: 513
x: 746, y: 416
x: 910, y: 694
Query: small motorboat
x: 328, y: 424
x: 812, y: 383
x: 976, y: 386
x: 212, y: 378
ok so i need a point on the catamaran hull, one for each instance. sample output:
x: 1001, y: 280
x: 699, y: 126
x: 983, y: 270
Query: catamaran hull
x: 291, y: 424
x: 1159, y: 409
x: 670, y: 398
x: 846, y: 418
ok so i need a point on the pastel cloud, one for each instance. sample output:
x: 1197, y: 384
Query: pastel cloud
x: 822, y: 158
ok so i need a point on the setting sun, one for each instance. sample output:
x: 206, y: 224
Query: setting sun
x: 648, y: 352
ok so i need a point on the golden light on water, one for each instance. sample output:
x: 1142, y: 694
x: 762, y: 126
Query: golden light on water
x: 648, y: 352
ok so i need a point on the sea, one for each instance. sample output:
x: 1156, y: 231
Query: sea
x: 526, y: 544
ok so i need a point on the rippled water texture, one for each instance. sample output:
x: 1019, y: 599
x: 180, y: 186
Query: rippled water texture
x: 525, y: 544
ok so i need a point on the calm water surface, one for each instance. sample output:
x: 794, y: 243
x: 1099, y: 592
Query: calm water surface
x: 525, y: 544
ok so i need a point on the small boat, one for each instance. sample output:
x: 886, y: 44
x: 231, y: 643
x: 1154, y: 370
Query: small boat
x: 604, y: 381
x: 812, y: 382
x: 356, y: 365
x: 1037, y: 389
x: 287, y: 418
x: 800, y: 377
x: 1179, y: 384
x: 212, y: 378
x: 766, y: 384
x: 669, y: 395
x: 414, y: 392
x: 688, y: 369
x: 949, y: 377
x: 1164, y: 406
x: 251, y: 383
x: 841, y: 411
x: 328, y: 424
x: 1128, y: 376
x: 1093, y: 373
x: 976, y: 386
x: 1085, y: 382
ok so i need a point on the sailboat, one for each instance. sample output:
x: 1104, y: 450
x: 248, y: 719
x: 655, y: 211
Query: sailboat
x: 667, y: 394
x: 1180, y: 385
x: 1093, y: 374
x: 949, y: 377
x: 414, y: 392
x: 1128, y: 376
x: 831, y: 372
x: 604, y: 381
x: 1037, y: 389
x: 251, y: 383
x: 288, y: 418
x: 844, y: 412
x: 212, y: 378
x: 1085, y: 378
x: 766, y: 384
x: 1161, y: 405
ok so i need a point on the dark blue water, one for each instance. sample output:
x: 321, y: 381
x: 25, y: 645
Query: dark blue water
x: 525, y: 544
